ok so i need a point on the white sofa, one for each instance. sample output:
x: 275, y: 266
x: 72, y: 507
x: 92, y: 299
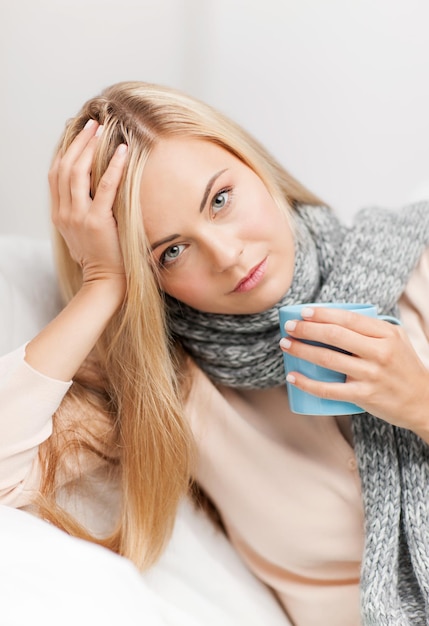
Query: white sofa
x: 47, y: 577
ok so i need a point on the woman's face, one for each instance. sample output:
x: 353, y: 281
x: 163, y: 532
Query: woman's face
x: 221, y: 243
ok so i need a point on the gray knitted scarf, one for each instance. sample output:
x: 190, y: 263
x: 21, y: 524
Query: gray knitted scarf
x: 369, y: 261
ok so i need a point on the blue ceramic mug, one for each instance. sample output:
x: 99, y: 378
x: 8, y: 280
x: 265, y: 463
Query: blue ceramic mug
x: 305, y: 403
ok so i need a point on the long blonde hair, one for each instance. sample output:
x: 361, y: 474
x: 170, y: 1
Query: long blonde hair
x: 134, y: 380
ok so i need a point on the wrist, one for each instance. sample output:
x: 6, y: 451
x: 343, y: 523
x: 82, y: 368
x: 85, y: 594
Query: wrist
x: 109, y: 290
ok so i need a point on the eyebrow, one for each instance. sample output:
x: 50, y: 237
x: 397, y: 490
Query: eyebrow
x: 165, y: 240
x: 202, y: 205
x: 209, y: 187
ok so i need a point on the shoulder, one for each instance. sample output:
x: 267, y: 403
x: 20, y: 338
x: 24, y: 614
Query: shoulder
x: 205, y: 402
x: 414, y: 310
x: 419, y: 278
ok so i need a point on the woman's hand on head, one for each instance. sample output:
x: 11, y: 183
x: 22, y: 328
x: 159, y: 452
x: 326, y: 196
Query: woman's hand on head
x: 384, y: 375
x: 89, y: 229
x: 87, y: 224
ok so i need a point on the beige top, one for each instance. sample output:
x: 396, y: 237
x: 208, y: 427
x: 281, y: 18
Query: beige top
x: 286, y: 485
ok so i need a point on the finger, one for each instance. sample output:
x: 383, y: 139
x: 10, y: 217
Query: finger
x: 346, y: 392
x: 357, y: 322
x: 53, y: 187
x: 344, y: 338
x: 108, y: 186
x: 77, y: 146
x: 80, y: 141
x: 80, y: 174
x: 345, y: 363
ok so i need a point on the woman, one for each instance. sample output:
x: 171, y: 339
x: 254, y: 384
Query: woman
x: 163, y: 206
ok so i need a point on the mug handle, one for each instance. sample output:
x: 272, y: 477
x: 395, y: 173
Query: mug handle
x: 390, y: 318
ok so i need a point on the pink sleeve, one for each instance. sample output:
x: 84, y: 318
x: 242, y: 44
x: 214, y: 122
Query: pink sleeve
x: 28, y: 400
x: 414, y: 307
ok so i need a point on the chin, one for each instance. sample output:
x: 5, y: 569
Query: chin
x: 261, y: 305
x: 271, y: 298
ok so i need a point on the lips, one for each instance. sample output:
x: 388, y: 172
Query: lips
x: 252, y: 279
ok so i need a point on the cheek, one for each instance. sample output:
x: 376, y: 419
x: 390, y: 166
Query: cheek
x: 264, y: 213
x: 190, y: 291
x: 272, y: 225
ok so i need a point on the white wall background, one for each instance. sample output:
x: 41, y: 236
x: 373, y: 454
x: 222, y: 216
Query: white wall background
x: 337, y: 89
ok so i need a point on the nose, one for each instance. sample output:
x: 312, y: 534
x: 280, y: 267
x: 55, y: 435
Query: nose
x: 223, y: 251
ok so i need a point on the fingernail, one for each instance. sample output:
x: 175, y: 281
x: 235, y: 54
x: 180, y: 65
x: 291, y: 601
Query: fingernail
x: 290, y: 325
x: 291, y: 379
x: 307, y: 312
x: 122, y: 149
x: 285, y: 343
x: 89, y: 123
x: 99, y: 130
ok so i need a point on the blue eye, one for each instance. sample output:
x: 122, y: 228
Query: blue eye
x: 220, y: 200
x: 171, y: 254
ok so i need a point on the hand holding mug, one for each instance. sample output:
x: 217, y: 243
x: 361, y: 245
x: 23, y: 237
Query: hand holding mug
x: 340, y: 359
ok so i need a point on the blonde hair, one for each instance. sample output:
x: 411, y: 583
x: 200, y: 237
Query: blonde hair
x: 131, y: 382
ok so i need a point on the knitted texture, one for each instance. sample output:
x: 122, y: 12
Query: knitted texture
x: 369, y: 261
x: 242, y: 350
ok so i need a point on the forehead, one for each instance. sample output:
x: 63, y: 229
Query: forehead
x: 177, y: 163
x: 179, y: 157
